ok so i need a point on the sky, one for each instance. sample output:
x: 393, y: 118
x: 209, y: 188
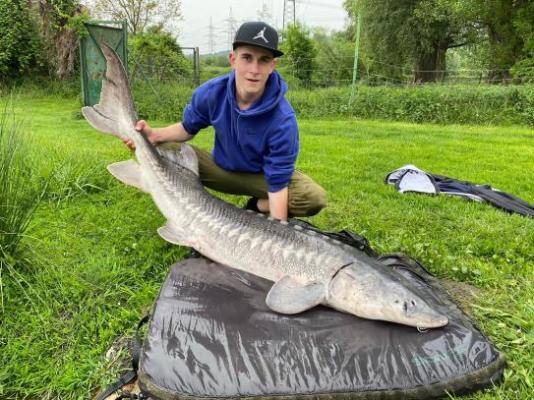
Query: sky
x: 197, y: 14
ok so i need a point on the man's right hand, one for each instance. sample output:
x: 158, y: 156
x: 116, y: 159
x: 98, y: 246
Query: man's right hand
x: 171, y: 133
x: 145, y: 129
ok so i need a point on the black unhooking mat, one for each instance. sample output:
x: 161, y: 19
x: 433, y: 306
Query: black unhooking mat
x: 211, y: 336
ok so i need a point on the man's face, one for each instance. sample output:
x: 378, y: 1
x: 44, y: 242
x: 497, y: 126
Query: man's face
x: 252, y: 66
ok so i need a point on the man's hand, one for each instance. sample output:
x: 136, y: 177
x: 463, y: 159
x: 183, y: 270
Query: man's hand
x: 171, y: 133
x: 145, y: 129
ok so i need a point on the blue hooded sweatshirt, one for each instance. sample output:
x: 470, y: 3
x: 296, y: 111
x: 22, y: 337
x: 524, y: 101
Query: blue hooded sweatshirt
x: 263, y: 138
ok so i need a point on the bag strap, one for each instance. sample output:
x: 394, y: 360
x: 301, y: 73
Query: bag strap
x: 347, y: 237
x: 136, y: 343
x: 126, y: 378
x: 129, y: 375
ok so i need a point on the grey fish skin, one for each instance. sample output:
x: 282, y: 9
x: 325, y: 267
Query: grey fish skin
x: 308, y: 268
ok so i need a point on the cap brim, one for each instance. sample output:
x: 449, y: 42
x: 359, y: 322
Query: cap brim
x: 276, y: 53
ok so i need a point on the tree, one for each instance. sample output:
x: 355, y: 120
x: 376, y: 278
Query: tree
x: 19, y: 41
x: 299, y: 53
x: 410, y: 35
x: 60, y: 24
x: 507, y: 28
x: 438, y: 29
x: 524, y: 68
x: 141, y: 14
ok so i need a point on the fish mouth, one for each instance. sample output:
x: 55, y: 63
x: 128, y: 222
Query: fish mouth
x: 422, y: 320
x: 432, y: 323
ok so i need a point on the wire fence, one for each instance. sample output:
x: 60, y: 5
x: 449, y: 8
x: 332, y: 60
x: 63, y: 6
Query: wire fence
x: 332, y: 71
x: 151, y: 73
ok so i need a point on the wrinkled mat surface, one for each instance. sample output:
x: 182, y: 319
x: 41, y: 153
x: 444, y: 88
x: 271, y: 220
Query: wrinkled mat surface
x: 212, y: 336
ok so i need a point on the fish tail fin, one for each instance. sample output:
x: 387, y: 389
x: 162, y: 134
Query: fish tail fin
x: 115, y: 112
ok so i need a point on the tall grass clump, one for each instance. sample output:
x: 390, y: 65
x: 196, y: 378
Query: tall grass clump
x: 20, y: 193
x: 441, y: 104
x: 163, y: 101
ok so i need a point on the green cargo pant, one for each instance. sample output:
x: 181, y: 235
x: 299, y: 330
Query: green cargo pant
x: 306, y: 198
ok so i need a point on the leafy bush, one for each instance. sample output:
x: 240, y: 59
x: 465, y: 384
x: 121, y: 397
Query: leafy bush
x: 19, y: 42
x: 210, y: 72
x: 335, y: 59
x: 215, y: 60
x: 156, y: 55
x: 523, y: 70
x: 40, y: 85
x: 299, y: 53
x: 161, y: 101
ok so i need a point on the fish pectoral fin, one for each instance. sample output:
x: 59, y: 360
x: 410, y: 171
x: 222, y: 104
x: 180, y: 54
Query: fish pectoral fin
x: 288, y: 296
x: 129, y: 173
x: 174, y: 235
x: 184, y: 156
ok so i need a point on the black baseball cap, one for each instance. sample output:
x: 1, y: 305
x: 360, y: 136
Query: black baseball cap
x: 258, y: 34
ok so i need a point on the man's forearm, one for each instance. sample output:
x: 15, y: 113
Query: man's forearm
x: 171, y: 133
x: 278, y: 204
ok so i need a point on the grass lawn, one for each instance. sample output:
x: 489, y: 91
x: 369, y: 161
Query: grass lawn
x: 97, y: 262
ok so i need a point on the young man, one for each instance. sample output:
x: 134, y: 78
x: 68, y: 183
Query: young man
x: 256, y: 133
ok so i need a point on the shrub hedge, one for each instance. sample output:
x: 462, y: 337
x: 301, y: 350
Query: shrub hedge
x: 444, y: 104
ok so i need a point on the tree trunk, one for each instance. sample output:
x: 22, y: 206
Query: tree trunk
x: 66, y: 57
x: 430, y: 65
x: 61, y: 42
x: 503, y: 57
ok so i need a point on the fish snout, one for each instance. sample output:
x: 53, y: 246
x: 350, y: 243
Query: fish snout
x: 418, y: 313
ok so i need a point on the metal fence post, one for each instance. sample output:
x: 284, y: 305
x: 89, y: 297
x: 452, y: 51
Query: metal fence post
x: 197, y: 66
x: 355, y: 66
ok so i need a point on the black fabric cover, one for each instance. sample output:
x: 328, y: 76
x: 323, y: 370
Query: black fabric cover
x: 456, y: 187
x: 504, y: 201
x: 212, y: 336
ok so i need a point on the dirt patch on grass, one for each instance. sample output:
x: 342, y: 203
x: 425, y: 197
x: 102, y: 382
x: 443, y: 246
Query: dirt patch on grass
x: 462, y: 293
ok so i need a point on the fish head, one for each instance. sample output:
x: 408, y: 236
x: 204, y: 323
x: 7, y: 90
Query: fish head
x: 371, y: 292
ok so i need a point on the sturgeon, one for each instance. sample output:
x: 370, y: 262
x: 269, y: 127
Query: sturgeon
x: 307, y: 268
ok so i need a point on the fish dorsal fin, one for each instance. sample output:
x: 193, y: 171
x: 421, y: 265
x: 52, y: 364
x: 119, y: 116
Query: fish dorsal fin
x: 129, y: 172
x: 115, y: 107
x: 184, y: 156
x: 288, y: 296
x: 174, y: 235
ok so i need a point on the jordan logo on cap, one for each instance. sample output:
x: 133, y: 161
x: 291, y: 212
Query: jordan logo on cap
x: 261, y: 35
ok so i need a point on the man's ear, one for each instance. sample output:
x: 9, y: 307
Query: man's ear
x: 273, y: 64
x: 231, y: 58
